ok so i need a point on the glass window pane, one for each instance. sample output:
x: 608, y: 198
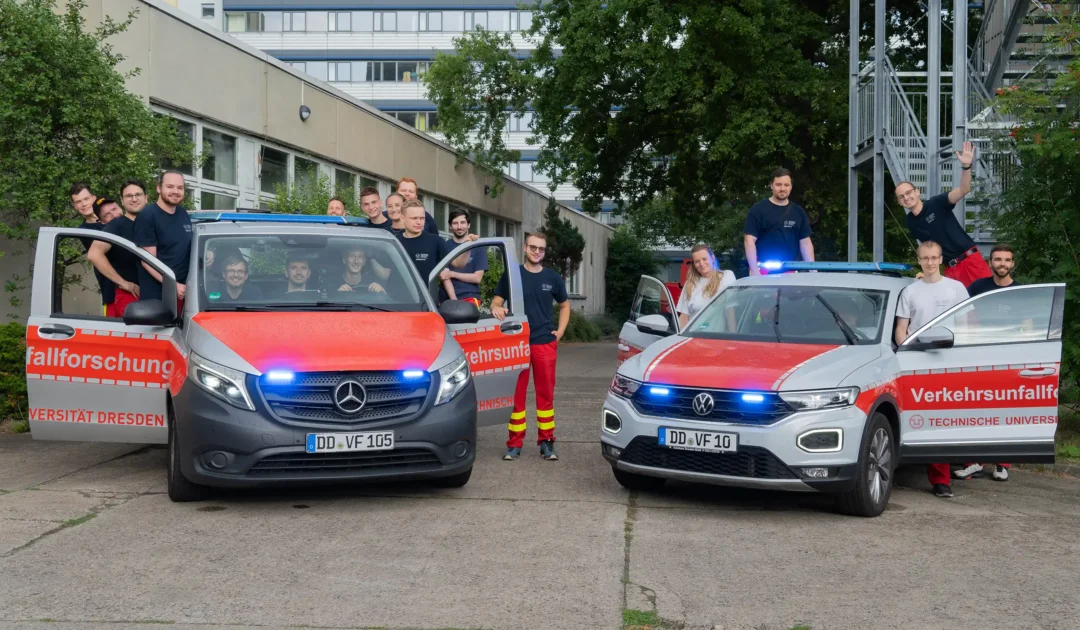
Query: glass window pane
x: 525, y: 171
x: 343, y: 182
x: 525, y: 121
x: 421, y: 121
x: 526, y: 20
x: 186, y: 130
x: 407, y: 21
x: 538, y: 177
x: 316, y: 21
x: 235, y: 22
x: 500, y: 228
x: 485, y: 225
x: 344, y: 71
x: 275, y: 169
x: 299, y: 65
x: 389, y: 71
x: 406, y: 71
x: 317, y: 69
x: 272, y: 21
x: 1017, y: 316
x: 306, y: 172
x: 499, y: 20
x: 299, y: 22
x: 409, y: 118
x: 480, y: 18
x: 389, y: 22
x: 211, y: 201
x: 453, y: 21
x: 362, y: 21
x: 220, y: 152
x: 253, y: 23
x: 433, y: 121
x: 435, y: 21
x: 440, y: 214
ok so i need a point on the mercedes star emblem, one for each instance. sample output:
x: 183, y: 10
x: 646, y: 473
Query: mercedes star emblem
x: 703, y: 404
x: 350, y: 397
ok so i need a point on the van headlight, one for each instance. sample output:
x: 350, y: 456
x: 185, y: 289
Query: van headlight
x: 821, y: 398
x: 225, y: 383
x: 453, y: 378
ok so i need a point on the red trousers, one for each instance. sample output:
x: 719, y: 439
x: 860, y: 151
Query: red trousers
x: 969, y: 270
x: 542, y: 365
x: 120, y: 304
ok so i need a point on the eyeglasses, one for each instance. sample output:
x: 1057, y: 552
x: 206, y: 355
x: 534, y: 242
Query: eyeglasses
x: 134, y: 195
x: 929, y: 258
x: 236, y: 272
x: 536, y: 249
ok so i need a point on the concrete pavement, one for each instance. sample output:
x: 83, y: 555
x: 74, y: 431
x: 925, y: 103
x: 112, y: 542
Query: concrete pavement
x: 88, y: 539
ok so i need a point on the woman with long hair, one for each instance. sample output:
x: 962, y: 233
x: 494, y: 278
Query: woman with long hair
x: 704, y: 280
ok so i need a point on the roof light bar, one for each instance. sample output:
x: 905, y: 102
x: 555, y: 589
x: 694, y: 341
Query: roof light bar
x: 845, y: 266
x: 265, y: 217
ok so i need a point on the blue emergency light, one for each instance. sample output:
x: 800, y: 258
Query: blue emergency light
x: 753, y: 398
x: 413, y: 374
x: 280, y: 376
x: 837, y: 267
x: 659, y: 391
x: 267, y: 217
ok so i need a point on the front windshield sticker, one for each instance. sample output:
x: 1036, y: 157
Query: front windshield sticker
x: 214, y: 296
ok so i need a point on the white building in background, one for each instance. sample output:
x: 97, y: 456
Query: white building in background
x: 378, y: 51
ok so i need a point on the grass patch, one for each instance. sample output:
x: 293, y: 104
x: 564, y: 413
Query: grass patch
x: 642, y: 620
x: 79, y: 521
x: 1068, y: 436
x: 20, y: 426
x: 800, y: 628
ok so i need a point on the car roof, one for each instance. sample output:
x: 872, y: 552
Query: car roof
x: 272, y: 228
x: 830, y: 279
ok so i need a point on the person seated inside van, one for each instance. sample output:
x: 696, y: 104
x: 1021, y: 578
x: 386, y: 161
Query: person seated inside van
x: 358, y: 275
x: 298, y: 273
x: 236, y: 289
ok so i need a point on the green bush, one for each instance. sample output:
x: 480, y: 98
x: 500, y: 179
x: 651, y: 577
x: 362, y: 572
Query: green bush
x: 580, y: 328
x: 628, y: 259
x: 609, y: 324
x: 491, y: 278
x: 12, y: 371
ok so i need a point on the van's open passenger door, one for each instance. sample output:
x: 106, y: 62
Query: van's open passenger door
x: 652, y: 298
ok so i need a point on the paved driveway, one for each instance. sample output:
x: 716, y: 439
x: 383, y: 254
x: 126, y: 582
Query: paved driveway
x: 88, y: 539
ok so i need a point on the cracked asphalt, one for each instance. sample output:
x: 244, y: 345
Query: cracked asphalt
x: 88, y: 539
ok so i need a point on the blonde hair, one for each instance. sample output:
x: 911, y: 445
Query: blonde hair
x: 412, y: 203
x: 693, y: 277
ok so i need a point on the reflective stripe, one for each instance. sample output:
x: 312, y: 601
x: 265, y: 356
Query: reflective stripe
x: 517, y: 415
x: 544, y: 426
x: 518, y: 428
x: 546, y: 413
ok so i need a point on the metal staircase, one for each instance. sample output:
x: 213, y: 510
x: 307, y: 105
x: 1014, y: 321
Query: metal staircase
x: 894, y: 131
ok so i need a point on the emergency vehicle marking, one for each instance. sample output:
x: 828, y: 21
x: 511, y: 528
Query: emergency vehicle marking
x: 727, y: 364
x: 786, y: 375
x: 662, y: 356
x: 869, y: 393
x: 626, y: 351
x: 489, y: 350
x: 495, y: 403
x: 93, y: 416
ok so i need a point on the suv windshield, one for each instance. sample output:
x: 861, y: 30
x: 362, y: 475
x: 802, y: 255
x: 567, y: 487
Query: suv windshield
x: 302, y: 273
x: 794, y: 314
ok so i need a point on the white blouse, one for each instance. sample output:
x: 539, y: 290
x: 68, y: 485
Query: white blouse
x: 691, y: 303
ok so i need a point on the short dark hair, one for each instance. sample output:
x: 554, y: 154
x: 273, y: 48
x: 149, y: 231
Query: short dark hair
x: 459, y: 212
x: 540, y: 235
x: 780, y: 172
x: 132, y: 182
x: 368, y: 191
x: 232, y: 259
x: 1002, y: 247
x: 77, y: 188
x: 101, y: 202
x: 335, y: 198
x: 296, y: 257
x: 169, y: 171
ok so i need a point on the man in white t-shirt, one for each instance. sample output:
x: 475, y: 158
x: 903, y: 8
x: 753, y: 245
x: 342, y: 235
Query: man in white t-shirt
x: 920, y: 302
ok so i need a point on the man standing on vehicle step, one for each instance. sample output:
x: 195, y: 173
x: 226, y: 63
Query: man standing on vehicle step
x: 163, y: 229
x: 777, y: 229
x: 933, y: 220
x: 920, y: 302
x: 540, y: 286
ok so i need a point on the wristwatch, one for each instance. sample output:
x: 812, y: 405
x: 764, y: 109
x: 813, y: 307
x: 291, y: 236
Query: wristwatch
x: 965, y: 168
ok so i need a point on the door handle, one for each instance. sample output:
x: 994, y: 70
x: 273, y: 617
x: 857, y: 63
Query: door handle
x: 57, y: 329
x: 1046, y: 371
x: 511, y: 328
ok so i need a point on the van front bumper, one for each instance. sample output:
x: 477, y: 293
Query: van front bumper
x: 222, y: 446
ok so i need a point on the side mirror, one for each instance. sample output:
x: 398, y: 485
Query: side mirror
x: 459, y: 312
x: 148, y: 313
x: 937, y: 338
x: 654, y: 325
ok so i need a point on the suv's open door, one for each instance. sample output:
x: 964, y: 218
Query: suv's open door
x: 980, y: 382
x: 652, y: 298
x: 94, y: 378
x: 497, y: 351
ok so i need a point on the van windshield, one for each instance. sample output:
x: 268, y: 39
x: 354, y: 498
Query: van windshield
x: 794, y: 314
x: 305, y: 272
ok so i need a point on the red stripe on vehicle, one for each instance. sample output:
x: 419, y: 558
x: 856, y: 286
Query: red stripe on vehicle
x: 718, y: 363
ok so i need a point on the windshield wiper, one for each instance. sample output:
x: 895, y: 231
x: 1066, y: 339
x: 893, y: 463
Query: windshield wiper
x: 849, y: 334
x: 238, y: 307
x: 330, y: 306
x: 776, y: 319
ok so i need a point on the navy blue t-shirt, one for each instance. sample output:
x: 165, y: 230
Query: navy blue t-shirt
x: 540, y: 289
x: 936, y: 222
x: 123, y: 261
x: 986, y: 285
x: 477, y: 262
x: 778, y: 230
x: 108, y: 289
x: 425, y: 251
x: 171, y: 234
x: 387, y: 225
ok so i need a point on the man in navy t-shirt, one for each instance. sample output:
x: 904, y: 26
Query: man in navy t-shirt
x: 407, y: 188
x: 118, y: 264
x: 777, y: 229
x: 933, y: 220
x: 164, y: 230
x: 467, y: 270
x: 540, y: 287
x: 425, y: 250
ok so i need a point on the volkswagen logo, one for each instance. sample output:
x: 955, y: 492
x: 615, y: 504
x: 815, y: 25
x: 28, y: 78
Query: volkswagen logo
x: 350, y: 397
x: 703, y: 404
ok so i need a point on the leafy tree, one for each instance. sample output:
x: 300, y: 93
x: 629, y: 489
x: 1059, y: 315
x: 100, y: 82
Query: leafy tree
x: 628, y: 259
x: 66, y: 116
x: 1039, y: 212
x: 312, y: 197
x: 565, y: 244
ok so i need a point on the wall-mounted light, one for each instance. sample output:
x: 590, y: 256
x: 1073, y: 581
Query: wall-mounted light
x: 305, y: 113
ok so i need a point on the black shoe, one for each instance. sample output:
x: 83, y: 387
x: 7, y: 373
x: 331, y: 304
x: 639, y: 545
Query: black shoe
x: 943, y: 490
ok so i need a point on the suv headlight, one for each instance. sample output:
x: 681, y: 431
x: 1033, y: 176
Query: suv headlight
x: 821, y: 398
x: 453, y: 378
x: 624, y: 387
x: 225, y: 383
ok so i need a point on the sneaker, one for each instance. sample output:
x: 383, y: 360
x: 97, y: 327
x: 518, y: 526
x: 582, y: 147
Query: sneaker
x: 1001, y: 473
x: 512, y: 454
x: 943, y: 490
x: 971, y: 471
x: 547, y: 450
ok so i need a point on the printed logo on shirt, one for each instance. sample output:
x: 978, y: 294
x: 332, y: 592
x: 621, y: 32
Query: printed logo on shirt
x: 421, y: 257
x: 930, y: 216
x: 187, y: 227
x: 546, y: 287
x: 789, y: 224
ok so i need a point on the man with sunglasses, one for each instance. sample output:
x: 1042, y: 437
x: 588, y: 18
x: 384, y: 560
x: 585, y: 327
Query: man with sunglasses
x: 540, y: 286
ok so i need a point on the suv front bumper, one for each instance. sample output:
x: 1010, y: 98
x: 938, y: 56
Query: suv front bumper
x: 767, y: 457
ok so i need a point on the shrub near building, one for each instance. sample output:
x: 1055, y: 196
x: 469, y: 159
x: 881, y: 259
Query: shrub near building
x: 12, y: 372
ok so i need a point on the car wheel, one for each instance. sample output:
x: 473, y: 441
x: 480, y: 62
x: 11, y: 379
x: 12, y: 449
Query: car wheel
x: 634, y: 481
x: 453, y: 481
x: 180, y: 489
x: 874, y: 480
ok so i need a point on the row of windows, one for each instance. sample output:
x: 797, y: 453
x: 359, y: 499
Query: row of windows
x: 375, y: 21
x: 364, y: 71
x: 526, y: 172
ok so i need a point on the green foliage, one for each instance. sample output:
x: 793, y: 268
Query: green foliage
x: 491, y: 278
x: 12, y: 371
x: 312, y: 197
x: 580, y: 329
x: 609, y: 324
x: 1039, y: 212
x: 565, y: 244
x: 629, y: 258
x: 66, y: 116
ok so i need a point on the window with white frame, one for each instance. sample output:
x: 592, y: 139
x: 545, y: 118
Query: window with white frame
x: 219, y: 157
x: 344, y: 183
x: 274, y: 169
x: 294, y: 21
x: 475, y: 19
x: 299, y: 65
x: 521, y: 20
x: 187, y: 130
x: 575, y: 281
x: 431, y: 21
x: 208, y: 11
x: 305, y: 172
x: 520, y: 122
x: 340, y: 21
x: 340, y: 71
x: 384, y: 21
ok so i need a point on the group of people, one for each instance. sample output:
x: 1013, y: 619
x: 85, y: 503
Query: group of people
x: 163, y: 228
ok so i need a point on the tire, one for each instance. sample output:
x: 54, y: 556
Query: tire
x: 875, y: 475
x: 634, y: 481
x: 453, y: 481
x: 180, y: 489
